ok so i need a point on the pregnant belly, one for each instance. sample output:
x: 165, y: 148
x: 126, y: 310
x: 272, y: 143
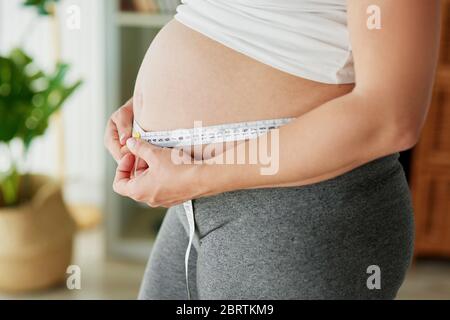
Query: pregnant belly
x: 187, y: 77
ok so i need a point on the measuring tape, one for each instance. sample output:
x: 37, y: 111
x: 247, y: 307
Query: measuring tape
x: 201, y: 136
x: 208, y: 135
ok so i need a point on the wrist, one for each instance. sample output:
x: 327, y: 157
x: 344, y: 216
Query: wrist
x: 205, y: 181
x: 211, y: 179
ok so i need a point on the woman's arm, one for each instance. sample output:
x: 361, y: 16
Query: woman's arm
x: 395, y: 68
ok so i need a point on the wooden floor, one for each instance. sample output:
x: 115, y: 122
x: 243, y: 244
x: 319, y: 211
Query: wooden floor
x: 103, y: 279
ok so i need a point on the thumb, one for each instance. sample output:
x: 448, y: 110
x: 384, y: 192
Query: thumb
x: 142, y: 149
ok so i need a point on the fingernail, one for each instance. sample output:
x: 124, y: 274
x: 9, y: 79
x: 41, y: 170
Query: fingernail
x: 131, y: 143
x: 122, y: 138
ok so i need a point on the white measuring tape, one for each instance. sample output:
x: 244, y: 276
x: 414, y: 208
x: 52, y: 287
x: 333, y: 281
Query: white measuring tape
x: 201, y: 136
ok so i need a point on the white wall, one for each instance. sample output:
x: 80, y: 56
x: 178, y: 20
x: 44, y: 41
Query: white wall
x: 83, y: 115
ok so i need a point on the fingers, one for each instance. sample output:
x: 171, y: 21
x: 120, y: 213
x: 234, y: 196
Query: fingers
x: 139, y: 179
x: 111, y: 141
x: 124, y: 149
x: 126, y: 184
x: 118, y: 130
x: 123, y: 119
x: 143, y: 150
x: 140, y: 166
x: 137, y: 187
x: 123, y: 175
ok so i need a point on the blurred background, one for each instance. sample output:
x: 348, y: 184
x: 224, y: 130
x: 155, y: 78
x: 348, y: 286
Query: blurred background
x: 52, y: 117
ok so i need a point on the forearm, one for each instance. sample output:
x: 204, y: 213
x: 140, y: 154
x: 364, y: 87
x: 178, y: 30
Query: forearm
x: 326, y: 142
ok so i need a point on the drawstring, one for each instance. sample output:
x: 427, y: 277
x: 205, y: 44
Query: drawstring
x: 189, y: 208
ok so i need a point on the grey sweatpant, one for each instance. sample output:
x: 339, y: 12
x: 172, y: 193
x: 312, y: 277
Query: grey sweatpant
x: 312, y: 242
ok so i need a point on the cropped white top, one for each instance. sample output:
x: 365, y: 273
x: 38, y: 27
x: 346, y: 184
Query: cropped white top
x: 306, y: 38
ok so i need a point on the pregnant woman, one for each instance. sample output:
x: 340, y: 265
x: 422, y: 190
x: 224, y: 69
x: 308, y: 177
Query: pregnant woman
x: 334, y: 89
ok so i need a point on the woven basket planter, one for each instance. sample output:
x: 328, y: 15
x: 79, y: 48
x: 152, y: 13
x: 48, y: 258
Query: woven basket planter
x: 36, y: 239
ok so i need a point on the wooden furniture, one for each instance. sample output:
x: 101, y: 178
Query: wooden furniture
x: 430, y: 167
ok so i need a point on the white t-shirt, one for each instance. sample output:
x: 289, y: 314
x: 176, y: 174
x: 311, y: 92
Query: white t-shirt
x: 306, y: 38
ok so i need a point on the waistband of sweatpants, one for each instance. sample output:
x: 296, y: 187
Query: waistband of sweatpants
x: 378, y: 172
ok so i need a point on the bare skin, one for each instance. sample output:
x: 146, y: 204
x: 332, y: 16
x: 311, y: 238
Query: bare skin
x: 187, y: 77
x: 336, y: 129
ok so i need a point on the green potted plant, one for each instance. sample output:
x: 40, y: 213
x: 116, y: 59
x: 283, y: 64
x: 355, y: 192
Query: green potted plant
x: 36, y: 229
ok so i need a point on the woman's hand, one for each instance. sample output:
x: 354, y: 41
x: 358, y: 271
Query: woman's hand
x: 159, y: 181
x: 118, y: 130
